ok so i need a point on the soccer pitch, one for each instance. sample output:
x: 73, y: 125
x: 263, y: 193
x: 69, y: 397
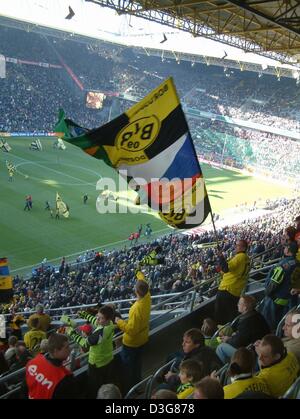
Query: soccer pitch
x: 27, y: 237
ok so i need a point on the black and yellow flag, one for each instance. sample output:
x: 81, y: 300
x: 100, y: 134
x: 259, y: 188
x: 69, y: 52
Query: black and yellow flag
x: 6, y: 282
x: 61, y: 207
x: 150, y: 145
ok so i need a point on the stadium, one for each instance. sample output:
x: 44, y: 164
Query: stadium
x: 100, y: 284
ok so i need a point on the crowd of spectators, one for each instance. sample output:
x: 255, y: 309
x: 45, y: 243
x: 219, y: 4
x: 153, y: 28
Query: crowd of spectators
x: 110, y: 275
x: 32, y: 95
x: 256, y: 151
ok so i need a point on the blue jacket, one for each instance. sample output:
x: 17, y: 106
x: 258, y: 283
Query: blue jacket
x: 278, y: 282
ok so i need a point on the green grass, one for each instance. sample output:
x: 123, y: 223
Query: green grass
x: 28, y: 237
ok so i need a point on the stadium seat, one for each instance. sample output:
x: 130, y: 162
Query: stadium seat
x: 294, y: 391
x: 140, y: 390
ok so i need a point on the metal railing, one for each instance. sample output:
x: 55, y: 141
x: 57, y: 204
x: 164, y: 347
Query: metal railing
x: 157, y: 375
x: 188, y: 299
x: 141, y: 386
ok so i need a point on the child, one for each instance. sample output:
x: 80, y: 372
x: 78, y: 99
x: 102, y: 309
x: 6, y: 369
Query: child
x: 190, y: 371
x: 100, y: 347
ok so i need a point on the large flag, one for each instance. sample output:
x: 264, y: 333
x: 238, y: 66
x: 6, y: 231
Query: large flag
x: 61, y: 207
x: 4, y: 146
x: 151, y: 146
x: 6, y: 282
x: 36, y: 145
x: 10, y: 166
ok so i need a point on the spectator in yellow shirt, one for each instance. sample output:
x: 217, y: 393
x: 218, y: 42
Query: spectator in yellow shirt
x: 136, y: 333
x: 44, y: 319
x: 190, y: 371
x: 278, y: 368
x: 234, y: 279
x: 241, y: 373
x: 34, y: 337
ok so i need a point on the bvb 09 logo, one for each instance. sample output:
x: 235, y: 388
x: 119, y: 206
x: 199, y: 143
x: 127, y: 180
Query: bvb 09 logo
x: 139, y: 134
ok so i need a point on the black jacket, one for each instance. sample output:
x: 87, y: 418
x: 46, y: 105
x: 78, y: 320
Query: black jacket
x: 251, y: 326
x: 207, y: 357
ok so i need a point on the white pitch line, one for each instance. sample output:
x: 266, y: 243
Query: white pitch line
x: 81, y: 252
x: 49, y: 168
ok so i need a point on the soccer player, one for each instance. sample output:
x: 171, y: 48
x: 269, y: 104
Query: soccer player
x: 30, y: 201
x: 11, y: 175
x: 140, y: 228
x: 148, y: 230
x: 27, y: 203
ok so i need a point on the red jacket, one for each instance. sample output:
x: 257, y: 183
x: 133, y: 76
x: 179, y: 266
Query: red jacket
x: 42, y: 377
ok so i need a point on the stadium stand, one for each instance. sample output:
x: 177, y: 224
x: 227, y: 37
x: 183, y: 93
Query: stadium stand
x: 183, y: 287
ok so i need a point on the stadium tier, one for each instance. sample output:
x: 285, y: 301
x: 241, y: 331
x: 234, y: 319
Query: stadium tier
x: 245, y: 130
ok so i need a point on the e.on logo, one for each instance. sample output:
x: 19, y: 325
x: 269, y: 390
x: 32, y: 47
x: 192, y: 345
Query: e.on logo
x: 139, y: 134
x: 39, y: 377
x: 296, y: 327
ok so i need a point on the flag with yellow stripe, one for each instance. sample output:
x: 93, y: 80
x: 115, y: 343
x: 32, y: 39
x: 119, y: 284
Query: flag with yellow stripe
x: 151, y: 144
x: 6, y: 282
x: 61, y: 207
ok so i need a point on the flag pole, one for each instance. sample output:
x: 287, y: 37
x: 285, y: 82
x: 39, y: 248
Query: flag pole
x: 197, y: 160
x: 214, y: 228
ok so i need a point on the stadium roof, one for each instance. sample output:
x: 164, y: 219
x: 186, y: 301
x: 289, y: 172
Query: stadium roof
x: 270, y: 28
x: 126, y: 27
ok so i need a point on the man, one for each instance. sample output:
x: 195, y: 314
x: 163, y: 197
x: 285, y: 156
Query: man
x: 11, y: 352
x: 85, y: 198
x: 250, y: 327
x: 278, y: 368
x: 11, y: 170
x: 194, y: 347
x: 234, y: 279
x: 136, y: 332
x: 100, y: 345
x: 27, y: 203
x: 30, y: 201
x: 33, y: 337
x: 278, y: 287
x: 10, y: 175
x: 148, y: 230
x: 136, y: 236
x: 291, y: 331
x: 47, y: 206
x: 109, y: 391
x: 44, y: 319
x: 46, y: 377
x: 131, y: 238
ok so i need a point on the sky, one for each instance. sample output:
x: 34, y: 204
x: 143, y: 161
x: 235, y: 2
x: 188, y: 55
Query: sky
x: 103, y: 23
